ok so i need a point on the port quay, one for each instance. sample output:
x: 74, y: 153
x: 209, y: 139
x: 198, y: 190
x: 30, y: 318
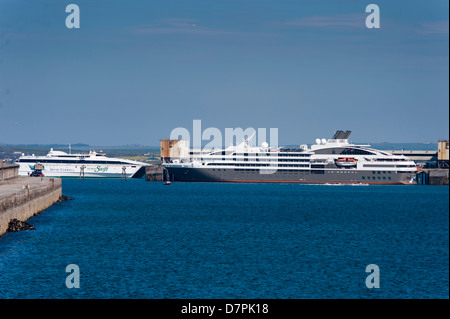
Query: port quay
x: 24, y: 197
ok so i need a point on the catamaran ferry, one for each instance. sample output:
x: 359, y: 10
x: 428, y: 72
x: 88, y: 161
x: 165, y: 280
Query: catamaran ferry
x: 327, y: 161
x: 62, y: 164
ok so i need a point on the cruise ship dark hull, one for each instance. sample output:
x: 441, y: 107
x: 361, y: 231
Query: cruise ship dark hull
x: 189, y: 174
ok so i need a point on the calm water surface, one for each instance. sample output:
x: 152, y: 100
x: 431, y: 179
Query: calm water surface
x: 138, y: 239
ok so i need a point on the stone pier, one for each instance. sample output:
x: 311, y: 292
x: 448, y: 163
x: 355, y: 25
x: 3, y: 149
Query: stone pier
x: 22, y: 197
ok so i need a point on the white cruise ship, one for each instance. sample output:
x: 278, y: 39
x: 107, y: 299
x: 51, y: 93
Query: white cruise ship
x: 327, y: 161
x: 62, y: 164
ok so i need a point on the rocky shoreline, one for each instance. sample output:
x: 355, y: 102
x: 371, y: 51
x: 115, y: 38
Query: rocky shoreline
x: 63, y: 198
x: 16, y: 225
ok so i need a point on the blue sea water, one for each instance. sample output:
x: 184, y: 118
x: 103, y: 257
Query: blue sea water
x: 137, y: 239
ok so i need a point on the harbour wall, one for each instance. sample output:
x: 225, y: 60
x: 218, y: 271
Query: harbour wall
x: 155, y: 173
x: 8, y: 171
x: 433, y: 177
x: 23, y: 197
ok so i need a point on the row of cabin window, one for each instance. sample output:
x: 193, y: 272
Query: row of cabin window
x: 378, y: 177
x: 261, y: 164
x: 69, y: 162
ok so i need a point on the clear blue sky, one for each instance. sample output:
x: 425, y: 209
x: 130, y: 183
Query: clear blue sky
x: 137, y: 69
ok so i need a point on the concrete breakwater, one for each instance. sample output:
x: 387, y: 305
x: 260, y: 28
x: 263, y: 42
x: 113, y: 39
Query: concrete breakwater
x: 23, y: 197
x: 8, y: 171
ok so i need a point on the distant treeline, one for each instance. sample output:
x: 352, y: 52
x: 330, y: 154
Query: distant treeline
x: 14, y: 151
x: 405, y: 146
x: 385, y: 146
x: 81, y: 146
x: 47, y: 145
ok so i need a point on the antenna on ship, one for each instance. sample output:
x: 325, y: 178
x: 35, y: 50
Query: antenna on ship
x: 247, y: 140
x: 70, y: 149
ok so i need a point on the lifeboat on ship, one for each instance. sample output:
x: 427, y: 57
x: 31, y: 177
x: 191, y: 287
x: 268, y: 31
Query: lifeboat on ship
x: 345, y: 162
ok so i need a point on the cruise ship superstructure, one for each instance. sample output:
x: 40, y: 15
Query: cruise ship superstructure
x: 327, y: 161
x: 93, y: 164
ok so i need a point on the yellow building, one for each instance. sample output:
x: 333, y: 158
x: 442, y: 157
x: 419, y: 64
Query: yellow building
x: 443, y: 161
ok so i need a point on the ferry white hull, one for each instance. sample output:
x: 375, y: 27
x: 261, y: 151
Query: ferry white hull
x: 91, y: 170
x: 60, y: 164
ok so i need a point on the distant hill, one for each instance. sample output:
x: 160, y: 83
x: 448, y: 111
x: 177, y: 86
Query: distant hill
x: 14, y: 151
x: 82, y: 146
x: 48, y: 145
x: 393, y: 146
x: 405, y: 146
